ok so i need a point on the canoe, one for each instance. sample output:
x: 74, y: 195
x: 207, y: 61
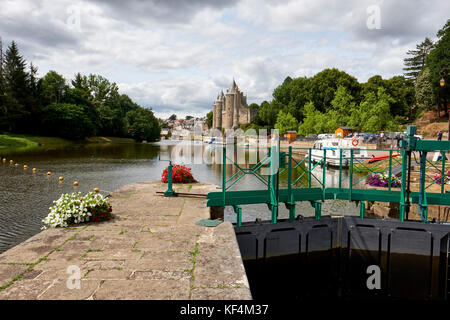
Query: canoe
x: 379, y: 158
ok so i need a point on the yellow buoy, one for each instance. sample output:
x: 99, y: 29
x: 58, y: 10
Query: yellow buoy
x: 25, y: 166
x: 61, y: 178
x: 96, y: 190
x: 49, y: 173
x: 11, y: 162
x: 75, y: 184
x: 34, y: 170
x: 4, y: 160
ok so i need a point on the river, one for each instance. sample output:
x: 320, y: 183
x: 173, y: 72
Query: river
x: 25, y: 197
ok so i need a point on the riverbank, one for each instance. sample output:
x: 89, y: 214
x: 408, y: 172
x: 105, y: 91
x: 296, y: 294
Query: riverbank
x: 152, y: 249
x: 18, y: 143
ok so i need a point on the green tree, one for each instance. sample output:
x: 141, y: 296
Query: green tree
x: 437, y: 60
x: 424, y: 91
x: 67, y: 121
x: 285, y: 122
x: 16, y: 112
x: 374, y: 112
x: 312, y: 122
x: 143, y: 125
x: 54, y: 88
x: 416, y: 62
x: 325, y: 84
x: 268, y: 112
x: 209, y: 119
x: 173, y: 117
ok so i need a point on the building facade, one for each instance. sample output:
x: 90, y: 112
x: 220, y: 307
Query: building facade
x: 230, y: 110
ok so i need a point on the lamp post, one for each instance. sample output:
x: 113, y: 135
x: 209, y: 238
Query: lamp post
x: 442, y: 74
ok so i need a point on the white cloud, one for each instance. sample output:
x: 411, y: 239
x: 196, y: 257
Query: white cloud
x: 175, y: 55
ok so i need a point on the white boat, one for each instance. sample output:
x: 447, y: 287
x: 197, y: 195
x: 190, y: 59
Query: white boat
x: 333, y: 147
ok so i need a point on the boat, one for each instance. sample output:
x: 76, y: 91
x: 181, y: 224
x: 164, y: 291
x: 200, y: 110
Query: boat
x: 383, y: 157
x: 333, y: 147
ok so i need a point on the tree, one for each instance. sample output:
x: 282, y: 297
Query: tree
x: 374, y: 112
x: 416, y: 62
x: 269, y: 111
x: 173, y: 117
x: 324, y: 86
x: 285, y: 122
x: 342, y: 105
x: 143, y: 125
x: 209, y: 119
x: 54, y: 88
x: 67, y: 121
x: 189, y: 117
x: 312, y: 121
x: 16, y: 111
x: 437, y: 60
x: 424, y: 91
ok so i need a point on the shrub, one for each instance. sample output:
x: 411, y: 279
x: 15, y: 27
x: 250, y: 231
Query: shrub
x: 180, y: 174
x: 74, y: 208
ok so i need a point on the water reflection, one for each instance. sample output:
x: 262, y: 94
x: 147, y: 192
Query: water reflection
x: 25, y: 198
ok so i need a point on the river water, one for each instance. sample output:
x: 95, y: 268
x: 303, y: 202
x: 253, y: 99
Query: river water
x: 25, y: 197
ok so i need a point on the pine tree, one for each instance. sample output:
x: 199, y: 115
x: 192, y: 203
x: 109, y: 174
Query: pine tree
x: 415, y: 64
x: 16, y: 90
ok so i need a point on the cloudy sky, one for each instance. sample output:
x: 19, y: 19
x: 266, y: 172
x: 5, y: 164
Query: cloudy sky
x: 176, y: 55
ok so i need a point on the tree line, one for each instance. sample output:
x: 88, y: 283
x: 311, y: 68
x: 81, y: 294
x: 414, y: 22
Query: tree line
x: 82, y: 107
x: 333, y: 98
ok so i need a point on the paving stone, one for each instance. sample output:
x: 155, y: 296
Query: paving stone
x: 143, y: 253
x: 143, y: 290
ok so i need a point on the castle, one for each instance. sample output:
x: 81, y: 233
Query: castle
x: 230, y: 110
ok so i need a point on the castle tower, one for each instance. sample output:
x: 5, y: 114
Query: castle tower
x: 218, y: 111
x: 230, y: 111
x: 230, y: 106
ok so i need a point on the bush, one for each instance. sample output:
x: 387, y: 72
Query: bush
x: 73, y: 208
x: 180, y: 174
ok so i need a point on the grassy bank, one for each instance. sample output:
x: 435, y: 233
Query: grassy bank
x: 12, y: 143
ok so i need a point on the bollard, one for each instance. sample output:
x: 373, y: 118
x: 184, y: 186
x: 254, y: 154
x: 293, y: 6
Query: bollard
x: 169, y: 192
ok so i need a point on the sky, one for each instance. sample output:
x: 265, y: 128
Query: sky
x: 175, y: 56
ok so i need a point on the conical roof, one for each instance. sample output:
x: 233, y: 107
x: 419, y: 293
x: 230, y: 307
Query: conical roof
x: 233, y: 87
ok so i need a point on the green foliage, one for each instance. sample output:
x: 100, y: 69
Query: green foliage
x: 438, y: 61
x: 209, y: 119
x: 285, y: 122
x: 373, y: 114
x: 173, y: 117
x: 424, y: 91
x: 54, y: 88
x: 88, y: 105
x: 68, y: 121
x: 143, y: 125
x: 416, y: 62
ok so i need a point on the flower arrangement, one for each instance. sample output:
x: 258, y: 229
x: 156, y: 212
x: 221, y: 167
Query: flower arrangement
x: 438, y: 177
x: 382, y: 180
x: 74, y: 208
x: 180, y: 174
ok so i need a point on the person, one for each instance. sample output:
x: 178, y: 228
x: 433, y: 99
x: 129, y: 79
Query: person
x: 439, y: 137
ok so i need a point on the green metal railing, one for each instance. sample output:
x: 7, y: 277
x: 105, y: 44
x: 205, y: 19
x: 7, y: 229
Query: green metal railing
x: 315, y: 190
